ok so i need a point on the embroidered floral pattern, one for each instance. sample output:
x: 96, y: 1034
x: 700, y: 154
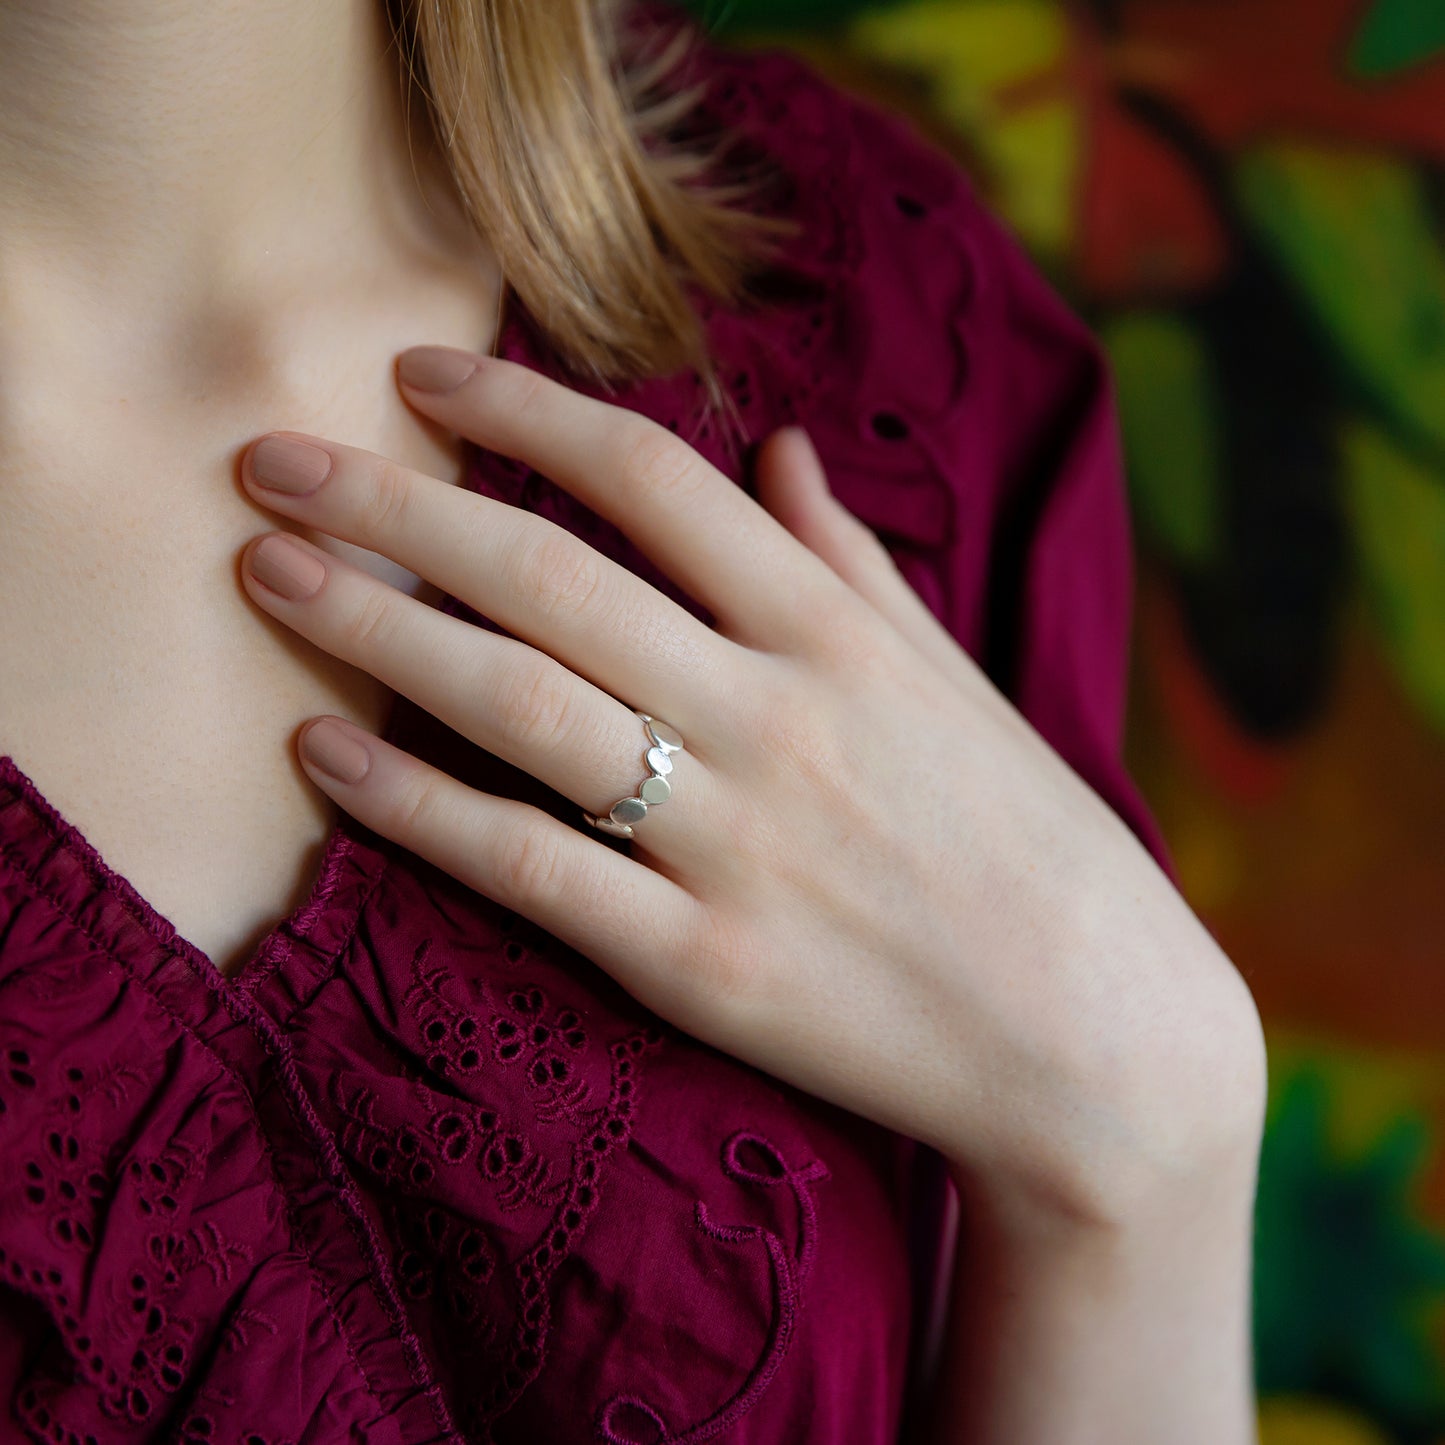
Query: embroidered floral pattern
x: 413, y: 1167
x: 751, y: 1159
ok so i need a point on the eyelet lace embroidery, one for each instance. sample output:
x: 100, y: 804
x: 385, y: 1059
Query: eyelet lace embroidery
x: 474, y: 1037
x: 69, y: 1184
x: 630, y: 1420
x: 562, y: 1077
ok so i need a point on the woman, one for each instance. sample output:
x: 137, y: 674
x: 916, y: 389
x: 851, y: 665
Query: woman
x: 698, y: 899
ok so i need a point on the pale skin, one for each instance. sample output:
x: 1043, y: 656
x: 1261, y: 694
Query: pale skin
x: 873, y: 880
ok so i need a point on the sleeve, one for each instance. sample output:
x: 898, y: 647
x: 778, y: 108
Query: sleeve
x: 967, y: 414
x: 1058, y: 605
x: 1042, y: 593
x: 970, y: 419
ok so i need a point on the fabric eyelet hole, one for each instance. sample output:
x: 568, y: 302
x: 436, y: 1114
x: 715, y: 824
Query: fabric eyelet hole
x: 910, y: 205
x: 889, y: 426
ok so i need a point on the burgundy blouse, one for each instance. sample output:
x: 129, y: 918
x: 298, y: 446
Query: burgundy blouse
x: 419, y: 1172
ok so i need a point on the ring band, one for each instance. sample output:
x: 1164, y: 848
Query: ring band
x: 663, y: 741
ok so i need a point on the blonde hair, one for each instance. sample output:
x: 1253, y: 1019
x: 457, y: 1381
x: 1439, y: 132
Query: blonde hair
x: 554, y: 120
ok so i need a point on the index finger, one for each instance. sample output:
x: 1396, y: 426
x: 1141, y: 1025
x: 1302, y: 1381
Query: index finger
x: 759, y: 582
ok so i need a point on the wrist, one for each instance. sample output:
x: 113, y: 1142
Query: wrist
x: 1107, y: 1153
x: 1131, y: 1331
x: 1054, y: 1221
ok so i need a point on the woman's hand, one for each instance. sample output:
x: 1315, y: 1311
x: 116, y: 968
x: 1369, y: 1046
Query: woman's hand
x: 873, y: 879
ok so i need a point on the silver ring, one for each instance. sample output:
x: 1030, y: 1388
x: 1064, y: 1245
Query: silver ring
x: 664, y: 740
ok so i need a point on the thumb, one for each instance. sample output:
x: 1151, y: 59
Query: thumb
x: 793, y: 486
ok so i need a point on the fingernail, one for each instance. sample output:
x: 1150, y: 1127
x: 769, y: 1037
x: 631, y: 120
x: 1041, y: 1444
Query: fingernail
x: 334, y: 751
x: 286, y: 465
x: 278, y: 563
x: 437, y: 369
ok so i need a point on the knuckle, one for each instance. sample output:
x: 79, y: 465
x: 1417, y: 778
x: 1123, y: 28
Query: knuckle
x: 529, y: 389
x: 804, y: 754
x: 797, y: 743
x: 417, y: 806
x: 530, y: 864
x: 369, y: 630
x: 723, y: 966
x: 858, y: 644
x: 389, y: 501
x: 536, y: 706
x: 563, y: 576
x: 660, y: 466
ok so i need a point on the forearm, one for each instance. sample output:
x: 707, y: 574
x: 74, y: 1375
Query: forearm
x: 1136, y: 1334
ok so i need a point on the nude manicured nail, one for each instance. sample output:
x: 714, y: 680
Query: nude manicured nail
x: 286, y: 465
x: 437, y: 369
x: 278, y: 563
x: 328, y: 746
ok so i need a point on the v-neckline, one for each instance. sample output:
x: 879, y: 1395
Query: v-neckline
x: 514, y: 341
x: 259, y: 960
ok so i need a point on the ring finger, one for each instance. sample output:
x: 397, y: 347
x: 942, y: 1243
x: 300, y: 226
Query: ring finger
x: 509, y: 698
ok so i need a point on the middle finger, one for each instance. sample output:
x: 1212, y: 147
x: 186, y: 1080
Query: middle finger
x: 544, y: 585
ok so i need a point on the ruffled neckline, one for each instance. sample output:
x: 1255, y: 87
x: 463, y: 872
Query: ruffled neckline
x: 42, y: 843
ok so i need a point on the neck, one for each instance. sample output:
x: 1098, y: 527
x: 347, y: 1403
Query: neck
x: 168, y: 162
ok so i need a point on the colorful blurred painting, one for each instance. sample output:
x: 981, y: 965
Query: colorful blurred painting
x: 1246, y: 200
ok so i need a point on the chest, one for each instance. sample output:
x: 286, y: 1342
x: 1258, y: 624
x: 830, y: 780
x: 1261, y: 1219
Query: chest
x: 149, y: 701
